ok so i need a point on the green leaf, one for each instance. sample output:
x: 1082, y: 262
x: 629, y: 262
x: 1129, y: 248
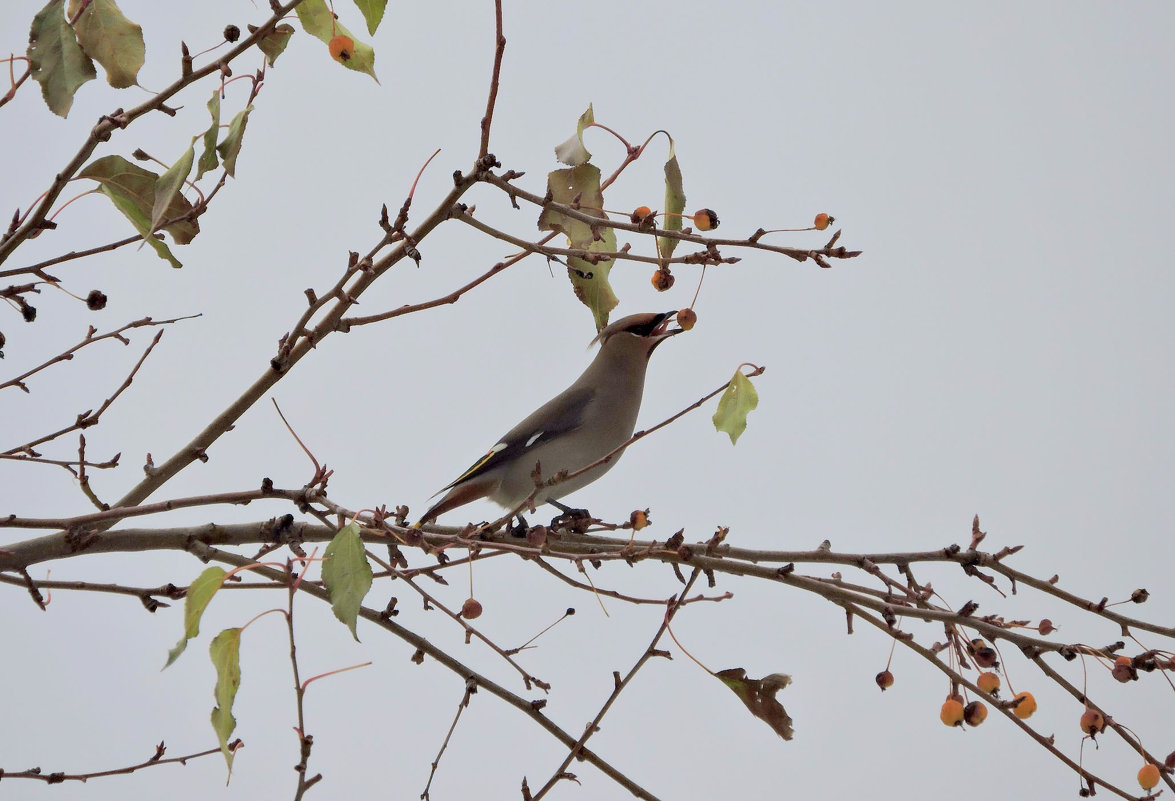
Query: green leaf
x: 230, y: 148
x: 590, y: 281
x: 56, y: 61
x: 168, y: 186
x: 136, y: 186
x: 110, y: 39
x: 273, y: 44
x: 208, y: 160
x: 759, y: 697
x: 226, y: 658
x: 197, y: 600
x: 735, y: 404
x: 674, y: 204
x: 373, y: 12
x: 565, y: 186
x: 347, y: 575
x: 572, y: 152
x: 317, y: 21
x: 131, y: 209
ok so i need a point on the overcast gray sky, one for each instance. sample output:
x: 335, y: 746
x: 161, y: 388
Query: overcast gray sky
x: 1003, y: 347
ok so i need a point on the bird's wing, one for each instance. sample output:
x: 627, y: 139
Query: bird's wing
x: 562, y: 414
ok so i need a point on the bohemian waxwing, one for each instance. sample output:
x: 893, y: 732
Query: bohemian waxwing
x: 580, y: 425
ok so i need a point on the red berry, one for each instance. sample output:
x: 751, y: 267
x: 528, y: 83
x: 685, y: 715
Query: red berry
x: 952, y: 712
x: 1026, y: 707
x: 884, y: 680
x: 1093, y: 722
x: 988, y: 682
x: 342, y: 48
x: 705, y: 219
x: 662, y: 280
x: 1148, y: 777
x: 643, y: 215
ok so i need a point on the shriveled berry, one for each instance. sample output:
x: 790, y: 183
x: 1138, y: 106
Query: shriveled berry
x: 1092, y: 721
x: 1026, y: 707
x: 951, y: 713
x: 1148, y: 776
x: 988, y: 682
x: 705, y: 219
x: 985, y: 657
x: 96, y: 300
x: 1046, y: 627
x: 687, y: 318
x: 884, y: 680
x: 231, y: 33
x: 342, y: 48
x: 638, y: 519
x: 822, y: 220
x: 1124, y: 669
x: 471, y: 609
x: 662, y: 280
x: 975, y: 713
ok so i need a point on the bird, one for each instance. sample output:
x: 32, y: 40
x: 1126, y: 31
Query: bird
x: 579, y: 426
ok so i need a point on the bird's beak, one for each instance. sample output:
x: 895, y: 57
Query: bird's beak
x: 662, y: 328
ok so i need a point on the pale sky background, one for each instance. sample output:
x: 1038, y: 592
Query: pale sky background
x: 1003, y: 347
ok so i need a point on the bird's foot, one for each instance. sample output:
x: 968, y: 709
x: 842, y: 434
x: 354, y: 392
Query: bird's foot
x: 575, y: 520
x: 519, y: 530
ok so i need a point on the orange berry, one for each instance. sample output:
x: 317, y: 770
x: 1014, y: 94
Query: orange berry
x: 975, y: 713
x: 662, y: 280
x: 1093, y: 722
x: 822, y: 220
x: 642, y: 215
x: 884, y: 680
x: 687, y: 319
x: 705, y: 219
x: 1148, y: 777
x: 639, y: 519
x: 1026, y: 707
x: 471, y: 609
x: 342, y: 48
x: 988, y: 682
x: 952, y: 712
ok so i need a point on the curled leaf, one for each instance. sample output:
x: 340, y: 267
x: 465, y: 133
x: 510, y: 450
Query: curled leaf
x: 674, y: 204
x: 759, y: 697
x: 273, y: 44
x: 572, y: 152
x: 739, y: 399
x: 225, y: 651
x: 199, y: 596
x: 581, y: 186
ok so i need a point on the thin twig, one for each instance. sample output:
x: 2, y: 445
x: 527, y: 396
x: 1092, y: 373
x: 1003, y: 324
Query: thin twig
x: 671, y: 608
x: 499, y: 50
x: 90, y: 418
x: 470, y: 689
x: 59, y: 777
